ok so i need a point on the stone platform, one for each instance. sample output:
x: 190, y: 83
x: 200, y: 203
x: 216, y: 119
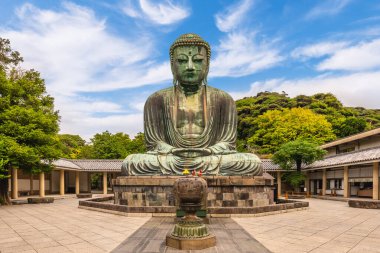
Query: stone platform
x: 223, y: 191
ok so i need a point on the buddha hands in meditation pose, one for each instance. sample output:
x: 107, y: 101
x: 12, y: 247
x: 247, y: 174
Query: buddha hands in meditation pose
x: 191, y: 125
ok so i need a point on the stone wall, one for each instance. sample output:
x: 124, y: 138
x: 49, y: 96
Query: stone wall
x: 103, y: 205
x: 364, y: 203
x: 223, y: 191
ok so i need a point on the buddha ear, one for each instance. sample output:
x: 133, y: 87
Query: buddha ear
x: 204, y: 81
x: 175, y: 81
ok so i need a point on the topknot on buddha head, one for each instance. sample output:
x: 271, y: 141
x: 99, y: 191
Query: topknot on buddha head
x: 189, y: 39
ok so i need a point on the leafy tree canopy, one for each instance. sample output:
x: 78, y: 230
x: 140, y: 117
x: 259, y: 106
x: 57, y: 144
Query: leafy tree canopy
x: 345, y: 121
x: 71, y: 145
x: 295, y: 153
x: 28, y: 121
x: 112, y: 146
x: 276, y: 127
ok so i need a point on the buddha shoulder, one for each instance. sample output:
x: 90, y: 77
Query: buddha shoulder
x: 159, y: 95
x: 219, y: 93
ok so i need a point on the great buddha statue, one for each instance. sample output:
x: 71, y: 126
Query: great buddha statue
x: 191, y: 125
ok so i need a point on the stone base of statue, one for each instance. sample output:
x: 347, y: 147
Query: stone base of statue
x: 223, y: 191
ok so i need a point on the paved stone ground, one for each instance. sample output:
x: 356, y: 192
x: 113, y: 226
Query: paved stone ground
x: 230, y: 238
x: 326, y: 227
x: 62, y: 227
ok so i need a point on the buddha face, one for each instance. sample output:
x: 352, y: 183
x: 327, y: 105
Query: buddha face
x: 190, y: 65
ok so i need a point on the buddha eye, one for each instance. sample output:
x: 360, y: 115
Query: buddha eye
x: 181, y: 61
x: 198, y: 60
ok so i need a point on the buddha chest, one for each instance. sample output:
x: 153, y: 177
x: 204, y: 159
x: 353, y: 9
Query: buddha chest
x: 190, y: 115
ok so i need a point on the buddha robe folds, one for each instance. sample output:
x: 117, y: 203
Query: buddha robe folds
x: 218, y: 117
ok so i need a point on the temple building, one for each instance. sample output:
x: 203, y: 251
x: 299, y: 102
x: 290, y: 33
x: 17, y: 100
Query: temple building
x: 68, y: 176
x: 349, y: 169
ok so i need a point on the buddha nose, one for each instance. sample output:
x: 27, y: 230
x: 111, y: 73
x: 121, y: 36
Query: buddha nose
x: 190, y: 65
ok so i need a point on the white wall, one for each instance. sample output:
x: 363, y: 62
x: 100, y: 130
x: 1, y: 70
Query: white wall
x: 24, y: 185
x: 371, y: 142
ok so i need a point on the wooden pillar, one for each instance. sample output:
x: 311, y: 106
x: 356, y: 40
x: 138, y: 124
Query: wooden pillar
x: 346, y: 184
x: 324, y: 182
x: 307, y: 183
x: 62, y: 182
x: 104, y: 182
x: 278, y: 183
x: 42, y: 184
x: 77, y: 190
x: 31, y: 184
x: 375, y: 185
x: 14, y: 183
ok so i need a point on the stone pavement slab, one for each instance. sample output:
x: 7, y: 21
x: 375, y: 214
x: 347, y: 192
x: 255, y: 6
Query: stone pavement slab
x: 327, y: 226
x: 62, y: 227
x: 230, y: 238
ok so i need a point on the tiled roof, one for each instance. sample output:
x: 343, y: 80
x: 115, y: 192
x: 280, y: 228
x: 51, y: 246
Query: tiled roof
x: 93, y: 165
x: 360, y: 156
x: 268, y: 165
x: 115, y: 165
x: 65, y: 163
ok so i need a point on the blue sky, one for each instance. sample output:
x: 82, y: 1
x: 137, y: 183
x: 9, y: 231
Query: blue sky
x: 102, y: 59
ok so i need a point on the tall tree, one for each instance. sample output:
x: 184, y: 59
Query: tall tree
x: 28, y: 121
x: 71, y: 145
x: 294, y: 154
x: 112, y: 146
x: 276, y: 128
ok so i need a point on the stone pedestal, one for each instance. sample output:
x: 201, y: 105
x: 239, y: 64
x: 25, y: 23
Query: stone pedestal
x: 190, y: 244
x: 223, y: 191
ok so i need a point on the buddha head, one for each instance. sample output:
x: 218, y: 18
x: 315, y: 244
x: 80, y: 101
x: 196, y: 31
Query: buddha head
x: 190, y: 58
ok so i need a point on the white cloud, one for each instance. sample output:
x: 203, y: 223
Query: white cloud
x: 75, y: 52
x: 230, y: 18
x: 359, y: 89
x: 327, y: 8
x: 239, y: 54
x: 363, y: 56
x: 161, y: 13
x: 318, y: 50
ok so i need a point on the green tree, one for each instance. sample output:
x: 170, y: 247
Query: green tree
x: 112, y: 146
x: 28, y: 121
x: 137, y: 144
x: 275, y: 128
x: 344, y: 120
x: 71, y: 145
x: 250, y: 108
x: 293, y: 155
